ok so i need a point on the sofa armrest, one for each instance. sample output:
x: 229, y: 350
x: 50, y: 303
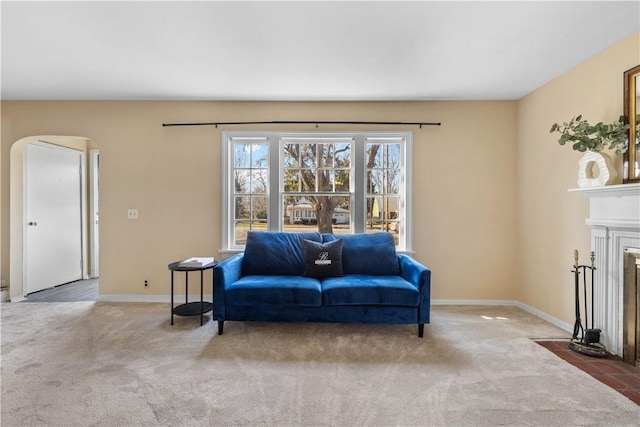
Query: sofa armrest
x: 225, y: 273
x: 420, y: 276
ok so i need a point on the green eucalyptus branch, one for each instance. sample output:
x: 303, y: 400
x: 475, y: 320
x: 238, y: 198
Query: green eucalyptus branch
x: 586, y: 137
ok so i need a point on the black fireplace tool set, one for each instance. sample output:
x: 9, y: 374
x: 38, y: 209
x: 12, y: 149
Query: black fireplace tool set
x: 585, y: 340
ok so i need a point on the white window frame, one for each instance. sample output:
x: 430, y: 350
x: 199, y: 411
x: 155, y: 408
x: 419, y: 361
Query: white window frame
x: 358, y: 184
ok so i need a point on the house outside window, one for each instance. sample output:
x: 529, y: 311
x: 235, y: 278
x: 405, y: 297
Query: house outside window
x: 341, y: 183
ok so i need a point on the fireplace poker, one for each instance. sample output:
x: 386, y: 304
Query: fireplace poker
x: 577, y: 327
x: 589, y: 341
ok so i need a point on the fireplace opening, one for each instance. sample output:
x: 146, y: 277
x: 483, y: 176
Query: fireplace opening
x: 631, y: 307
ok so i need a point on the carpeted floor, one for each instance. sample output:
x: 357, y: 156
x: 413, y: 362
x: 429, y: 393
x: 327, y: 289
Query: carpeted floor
x: 123, y: 364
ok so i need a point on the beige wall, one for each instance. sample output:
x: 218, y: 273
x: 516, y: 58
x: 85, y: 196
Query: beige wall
x: 464, y: 183
x: 551, y: 221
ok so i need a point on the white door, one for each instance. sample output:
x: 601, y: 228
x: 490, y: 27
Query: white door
x: 53, y: 208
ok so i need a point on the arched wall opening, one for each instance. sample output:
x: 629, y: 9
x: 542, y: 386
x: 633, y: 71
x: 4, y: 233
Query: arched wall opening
x: 17, y: 212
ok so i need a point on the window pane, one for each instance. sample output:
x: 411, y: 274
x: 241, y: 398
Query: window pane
x: 259, y: 180
x: 374, y: 156
x: 308, y: 155
x: 392, y: 181
x: 325, y: 155
x: 251, y: 177
x: 241, y: 157
x: 381, y: 207
x: 259, y: 207
x: 241, y: 181
x: 392, y: 207
x: 240, y: 232
x: 375, y: 181
x: 242, y: 207
x: 342, y: 180
x: 383, y: 155
x: 247, y: 207
x: 308, y: 180
x: 300, y: 212
x: 374, y: 209
x: 259, y: 155
x: 291, y: 180
x: 342, y: 155
x: 392, y: 156
x: 325, y: 179
x: 374, y: 227
x: 290, y: 155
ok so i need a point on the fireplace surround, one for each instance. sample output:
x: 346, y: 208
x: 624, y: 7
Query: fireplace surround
x: 614, y: 219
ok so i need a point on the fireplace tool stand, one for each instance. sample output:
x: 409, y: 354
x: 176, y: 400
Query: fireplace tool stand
x: 585, y: 340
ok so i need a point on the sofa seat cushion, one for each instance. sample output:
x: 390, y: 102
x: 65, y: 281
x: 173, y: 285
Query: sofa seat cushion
x: 362, y: 289
x: 256, y: 290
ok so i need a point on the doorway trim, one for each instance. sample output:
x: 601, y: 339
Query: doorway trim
x: 94, y: 213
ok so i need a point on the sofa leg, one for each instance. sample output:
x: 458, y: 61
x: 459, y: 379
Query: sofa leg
x: 420, y: 330
x: 220, y: 326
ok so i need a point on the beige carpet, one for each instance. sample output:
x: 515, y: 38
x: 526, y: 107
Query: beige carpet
x: 123, y: 364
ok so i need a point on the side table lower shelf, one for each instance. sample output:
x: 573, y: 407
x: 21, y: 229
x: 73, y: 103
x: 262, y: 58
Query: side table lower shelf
x: 194, y: 308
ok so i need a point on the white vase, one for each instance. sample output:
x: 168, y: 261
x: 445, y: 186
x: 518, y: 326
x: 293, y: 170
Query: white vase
x: 595, y: 170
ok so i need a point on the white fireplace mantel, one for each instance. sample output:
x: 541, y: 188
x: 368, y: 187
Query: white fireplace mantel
x: 614, y: 219
x: 613, y: 205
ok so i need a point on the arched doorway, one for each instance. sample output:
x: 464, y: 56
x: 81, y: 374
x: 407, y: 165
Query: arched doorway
x: 18, y: 220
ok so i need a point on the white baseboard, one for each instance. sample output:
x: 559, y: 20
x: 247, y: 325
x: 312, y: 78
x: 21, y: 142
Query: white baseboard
x: 473, y: 302
x: 553, y: 320
x: 177, y: 299
x: 208, y: 297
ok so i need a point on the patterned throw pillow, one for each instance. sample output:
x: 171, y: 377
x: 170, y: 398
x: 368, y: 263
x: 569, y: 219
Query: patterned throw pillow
x: 322, y: 259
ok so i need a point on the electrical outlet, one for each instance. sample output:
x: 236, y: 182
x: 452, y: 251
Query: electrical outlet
x: 132, y: 213
x: 146, y: 283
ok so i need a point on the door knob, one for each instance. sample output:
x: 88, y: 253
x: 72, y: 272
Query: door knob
x: 33, y: 224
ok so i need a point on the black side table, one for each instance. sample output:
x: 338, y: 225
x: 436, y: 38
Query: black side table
x: 195, y: 307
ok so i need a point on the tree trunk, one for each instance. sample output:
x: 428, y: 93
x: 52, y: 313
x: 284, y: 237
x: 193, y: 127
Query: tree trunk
x: 324, y: 214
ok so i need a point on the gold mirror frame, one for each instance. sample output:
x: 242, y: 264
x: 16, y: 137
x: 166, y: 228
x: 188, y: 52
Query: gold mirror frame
x: 631, y: 162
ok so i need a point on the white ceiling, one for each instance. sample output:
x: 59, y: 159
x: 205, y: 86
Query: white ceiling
x: 210, y: 50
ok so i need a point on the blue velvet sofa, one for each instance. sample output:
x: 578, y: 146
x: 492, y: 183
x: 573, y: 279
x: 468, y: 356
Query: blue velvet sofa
x: 273, y: 281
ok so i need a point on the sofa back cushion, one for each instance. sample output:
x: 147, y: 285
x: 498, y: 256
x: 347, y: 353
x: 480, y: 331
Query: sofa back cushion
x: 372, y: 254
x: 275, y: 253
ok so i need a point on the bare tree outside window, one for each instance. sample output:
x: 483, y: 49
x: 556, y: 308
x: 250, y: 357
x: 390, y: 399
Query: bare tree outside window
x: 383, y: 186
x: 330, y: 182
x: 251, y: 176
x: 317, y: 173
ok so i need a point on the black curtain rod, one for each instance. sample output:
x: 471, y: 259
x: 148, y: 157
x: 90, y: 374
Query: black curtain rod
x: 304, y: 122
